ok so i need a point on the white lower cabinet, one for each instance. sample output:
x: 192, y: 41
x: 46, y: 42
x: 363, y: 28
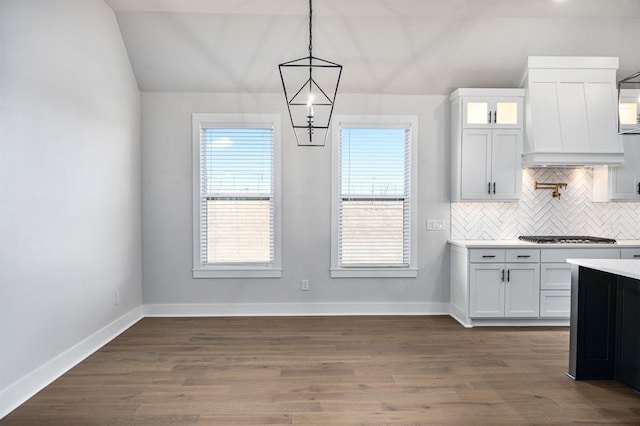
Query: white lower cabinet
x: 555, y: 277
x: 555, y: 290
x: 555, y: 303
x: 492, y: 286
x: 505, y: 290
x: 486, y: 290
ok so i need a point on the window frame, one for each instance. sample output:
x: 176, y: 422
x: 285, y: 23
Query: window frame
x: 247, y: 270
x: 382, y: 271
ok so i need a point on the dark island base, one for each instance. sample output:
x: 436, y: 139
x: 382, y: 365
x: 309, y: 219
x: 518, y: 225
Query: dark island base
x: 604, y: 327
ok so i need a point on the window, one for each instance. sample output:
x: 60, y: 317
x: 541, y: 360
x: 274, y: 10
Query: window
x: 374, y: 203
x: 236, y: 196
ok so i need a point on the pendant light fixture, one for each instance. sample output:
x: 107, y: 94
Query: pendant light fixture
x: 310, y: 86
x: 629, y: 105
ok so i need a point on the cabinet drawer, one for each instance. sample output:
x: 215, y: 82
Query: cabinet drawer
x: 555, y: 304
x: 555, y: 276
x: 630, y: 253
x: 561, y: 255
x: 528, y: 256
x: 486, y: 255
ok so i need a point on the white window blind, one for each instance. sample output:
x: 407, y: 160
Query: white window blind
x: 236, y: 194
x: 374, y: 196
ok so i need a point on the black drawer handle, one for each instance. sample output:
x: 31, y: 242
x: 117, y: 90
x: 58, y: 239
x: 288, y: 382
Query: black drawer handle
x: 488, y: 257
x: 520, y: 256
x: 508, y: 275
x: 636, y: 256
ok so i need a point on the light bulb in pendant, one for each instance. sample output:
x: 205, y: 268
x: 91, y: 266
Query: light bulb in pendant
x: 310, y: 106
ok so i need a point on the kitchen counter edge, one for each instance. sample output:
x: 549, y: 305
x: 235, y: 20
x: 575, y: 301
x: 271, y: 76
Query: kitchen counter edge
x: 526, y: 244
x: 626, y: 267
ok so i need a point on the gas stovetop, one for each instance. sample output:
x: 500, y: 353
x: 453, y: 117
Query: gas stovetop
x: 566, y: 239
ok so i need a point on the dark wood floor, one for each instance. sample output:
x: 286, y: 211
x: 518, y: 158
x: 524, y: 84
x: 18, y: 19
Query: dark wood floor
x: 327, y: 370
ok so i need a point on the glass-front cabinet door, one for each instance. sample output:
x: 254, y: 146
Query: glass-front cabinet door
x: 499, y: 113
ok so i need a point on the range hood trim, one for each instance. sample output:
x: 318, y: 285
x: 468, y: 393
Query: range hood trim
x: 571, y: 159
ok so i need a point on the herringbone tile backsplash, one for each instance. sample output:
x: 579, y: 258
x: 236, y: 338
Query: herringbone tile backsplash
x: 537, y: 213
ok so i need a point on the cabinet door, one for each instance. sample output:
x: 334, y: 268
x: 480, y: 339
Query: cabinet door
x: 624, y: 179
x: 522, y: 290
x: 484, y: 113
x: 486, y: 290
x: 476, y: 113
x: 506, y: 164
x: 555, y: 303
x: 476, y: 176
x: 508, y: 113
x: 555, y: 276
x: 630, y: 253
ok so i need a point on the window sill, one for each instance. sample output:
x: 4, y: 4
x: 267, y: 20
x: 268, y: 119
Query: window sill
x: 374, y: 272
x: 237, y: 273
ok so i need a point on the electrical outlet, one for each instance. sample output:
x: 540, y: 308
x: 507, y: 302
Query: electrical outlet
x: 304, y: 285
x: 435, y: 225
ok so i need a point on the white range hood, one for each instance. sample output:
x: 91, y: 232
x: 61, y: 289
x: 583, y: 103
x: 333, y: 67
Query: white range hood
x: 570, y: 112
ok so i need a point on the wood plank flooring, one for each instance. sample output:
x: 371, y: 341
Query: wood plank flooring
x: 327, y: 370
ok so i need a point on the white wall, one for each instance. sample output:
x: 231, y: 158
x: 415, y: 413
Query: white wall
x: 69, y: 183
x: 306, y: 172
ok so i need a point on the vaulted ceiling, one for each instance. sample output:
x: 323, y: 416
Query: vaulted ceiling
x: 385, y: 46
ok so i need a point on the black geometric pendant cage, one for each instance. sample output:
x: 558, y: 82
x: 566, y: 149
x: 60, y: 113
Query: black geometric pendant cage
x: 310, y: 87
x: 629, y: 105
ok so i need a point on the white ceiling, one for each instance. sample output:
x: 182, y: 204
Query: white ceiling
x: 385, y: 46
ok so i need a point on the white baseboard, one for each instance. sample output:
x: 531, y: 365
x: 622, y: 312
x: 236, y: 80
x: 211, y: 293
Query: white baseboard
x: 20, y: 391
x: 524, y: 322
x: 294, y: 309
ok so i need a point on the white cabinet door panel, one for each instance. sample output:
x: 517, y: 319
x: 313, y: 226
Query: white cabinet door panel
x: 555, y: 276
x: 626, y: 177
x: 555, y: 304
x: 476, y: 163
x: 522, y: 290
x: 506, y: 164
x: 486, y: 290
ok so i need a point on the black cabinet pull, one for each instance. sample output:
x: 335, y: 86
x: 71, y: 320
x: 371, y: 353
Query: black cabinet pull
x: 494, y: 187
x: 636, y: 256
x: 495, y: 117
x: 523, y: 256
x: 508, y: 275
x: 503, y: 275
x: 638, y: 188
x: 489, y: 188
x: 486, y: 256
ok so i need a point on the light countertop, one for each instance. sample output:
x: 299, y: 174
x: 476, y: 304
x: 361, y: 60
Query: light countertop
x: 526, y: 244
x: 625, y: 267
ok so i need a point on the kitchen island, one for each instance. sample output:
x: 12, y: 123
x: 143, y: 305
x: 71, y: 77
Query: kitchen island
x: 604, y: 340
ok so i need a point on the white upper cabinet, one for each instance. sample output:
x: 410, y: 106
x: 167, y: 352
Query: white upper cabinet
x: 487, y: 113
x: 620, y: 183
x: 487, y: 144
x: 571, y: 115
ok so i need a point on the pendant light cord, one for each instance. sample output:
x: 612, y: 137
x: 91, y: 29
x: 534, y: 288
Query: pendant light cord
x: 310, y: 28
